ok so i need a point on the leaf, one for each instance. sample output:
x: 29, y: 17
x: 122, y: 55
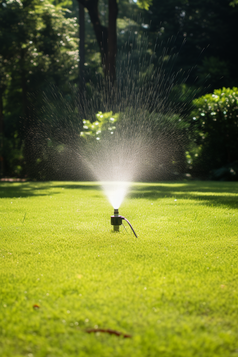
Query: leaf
x: 111, y: 332
x: 144, y: 4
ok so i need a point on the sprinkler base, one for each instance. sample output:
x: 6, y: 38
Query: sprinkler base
x: 116, y: 222
x: 116, y: 228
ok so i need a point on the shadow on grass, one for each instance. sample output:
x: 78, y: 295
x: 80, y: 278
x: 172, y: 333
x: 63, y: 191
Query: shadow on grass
x: 30, y: 189
x: 207, y: 193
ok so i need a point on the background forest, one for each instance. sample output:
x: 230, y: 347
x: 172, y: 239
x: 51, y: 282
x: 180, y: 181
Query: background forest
x: 63, y: 62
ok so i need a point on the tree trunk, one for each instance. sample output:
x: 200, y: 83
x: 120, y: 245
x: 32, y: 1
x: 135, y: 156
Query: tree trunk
x: 26, y: 132
x: 1, y: 137
x: 110, y: 65
x: 106, y: 36
x: 24, y: 90
x: 81, y: 48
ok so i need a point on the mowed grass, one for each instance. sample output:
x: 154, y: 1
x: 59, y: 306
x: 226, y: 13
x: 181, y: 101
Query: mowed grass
x: 174, y: 289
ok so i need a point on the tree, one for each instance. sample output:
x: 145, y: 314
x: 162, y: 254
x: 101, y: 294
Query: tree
x: 81, y: 47
x: 215, y: 118
x: 209, y: 32
x: 107, y: 35
x: 38, y: 48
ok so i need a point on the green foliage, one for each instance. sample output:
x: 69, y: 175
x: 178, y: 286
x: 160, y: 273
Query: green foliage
x: 142, y: 124
x: 144, y: 4
x: 211, y: 69
x: 215, y: 118
x: 109, y: 122
x: 36, y: 38
x: 228, y: 172
x: 161, y: 138
x: 234, y: 3
x: 208, y: 31
x: 38, y: 48
x: 104, y: 123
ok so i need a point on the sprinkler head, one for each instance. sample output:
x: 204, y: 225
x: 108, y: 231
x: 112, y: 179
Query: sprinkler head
x: 116, y: 220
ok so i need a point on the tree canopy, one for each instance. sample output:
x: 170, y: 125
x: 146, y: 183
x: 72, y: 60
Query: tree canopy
x: 191, y: 42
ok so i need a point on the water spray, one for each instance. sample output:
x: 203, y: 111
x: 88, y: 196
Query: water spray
x: 116, y: 221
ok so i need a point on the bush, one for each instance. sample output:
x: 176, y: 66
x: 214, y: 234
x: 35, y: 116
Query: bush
x: 215, y: 130
x: 152, y: 143
x: 103, y: 125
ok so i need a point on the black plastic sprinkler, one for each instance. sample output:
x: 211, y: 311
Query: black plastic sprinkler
x: 116, y: 221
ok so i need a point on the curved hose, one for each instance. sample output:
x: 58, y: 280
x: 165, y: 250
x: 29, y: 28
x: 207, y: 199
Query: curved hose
x: 129, y: 225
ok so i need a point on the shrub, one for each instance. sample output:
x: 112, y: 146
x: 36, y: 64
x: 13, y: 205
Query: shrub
x: 215, y: 118
x: 153, y: 141
x: 104, y: 124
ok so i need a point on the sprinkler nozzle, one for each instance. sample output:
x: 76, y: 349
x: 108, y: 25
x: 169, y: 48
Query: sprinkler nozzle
x: 116, y: 221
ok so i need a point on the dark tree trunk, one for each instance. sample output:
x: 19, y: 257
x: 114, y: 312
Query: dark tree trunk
x: 106, y: 36
x: 81, y: 47
x: 110, y: 65
x: 26, y: 131
x: 1, y: 136
x: 24, y: 90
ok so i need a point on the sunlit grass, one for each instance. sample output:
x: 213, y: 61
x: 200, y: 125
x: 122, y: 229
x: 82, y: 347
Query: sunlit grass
x: 174, y: 289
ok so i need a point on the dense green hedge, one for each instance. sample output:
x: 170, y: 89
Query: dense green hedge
x: 215, y: 130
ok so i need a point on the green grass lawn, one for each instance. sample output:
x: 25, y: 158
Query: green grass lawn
x: 174, y: 289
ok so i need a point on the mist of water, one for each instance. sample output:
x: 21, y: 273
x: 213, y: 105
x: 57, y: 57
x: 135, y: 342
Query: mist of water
x: 115, y: 192
x: 147, y: 143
